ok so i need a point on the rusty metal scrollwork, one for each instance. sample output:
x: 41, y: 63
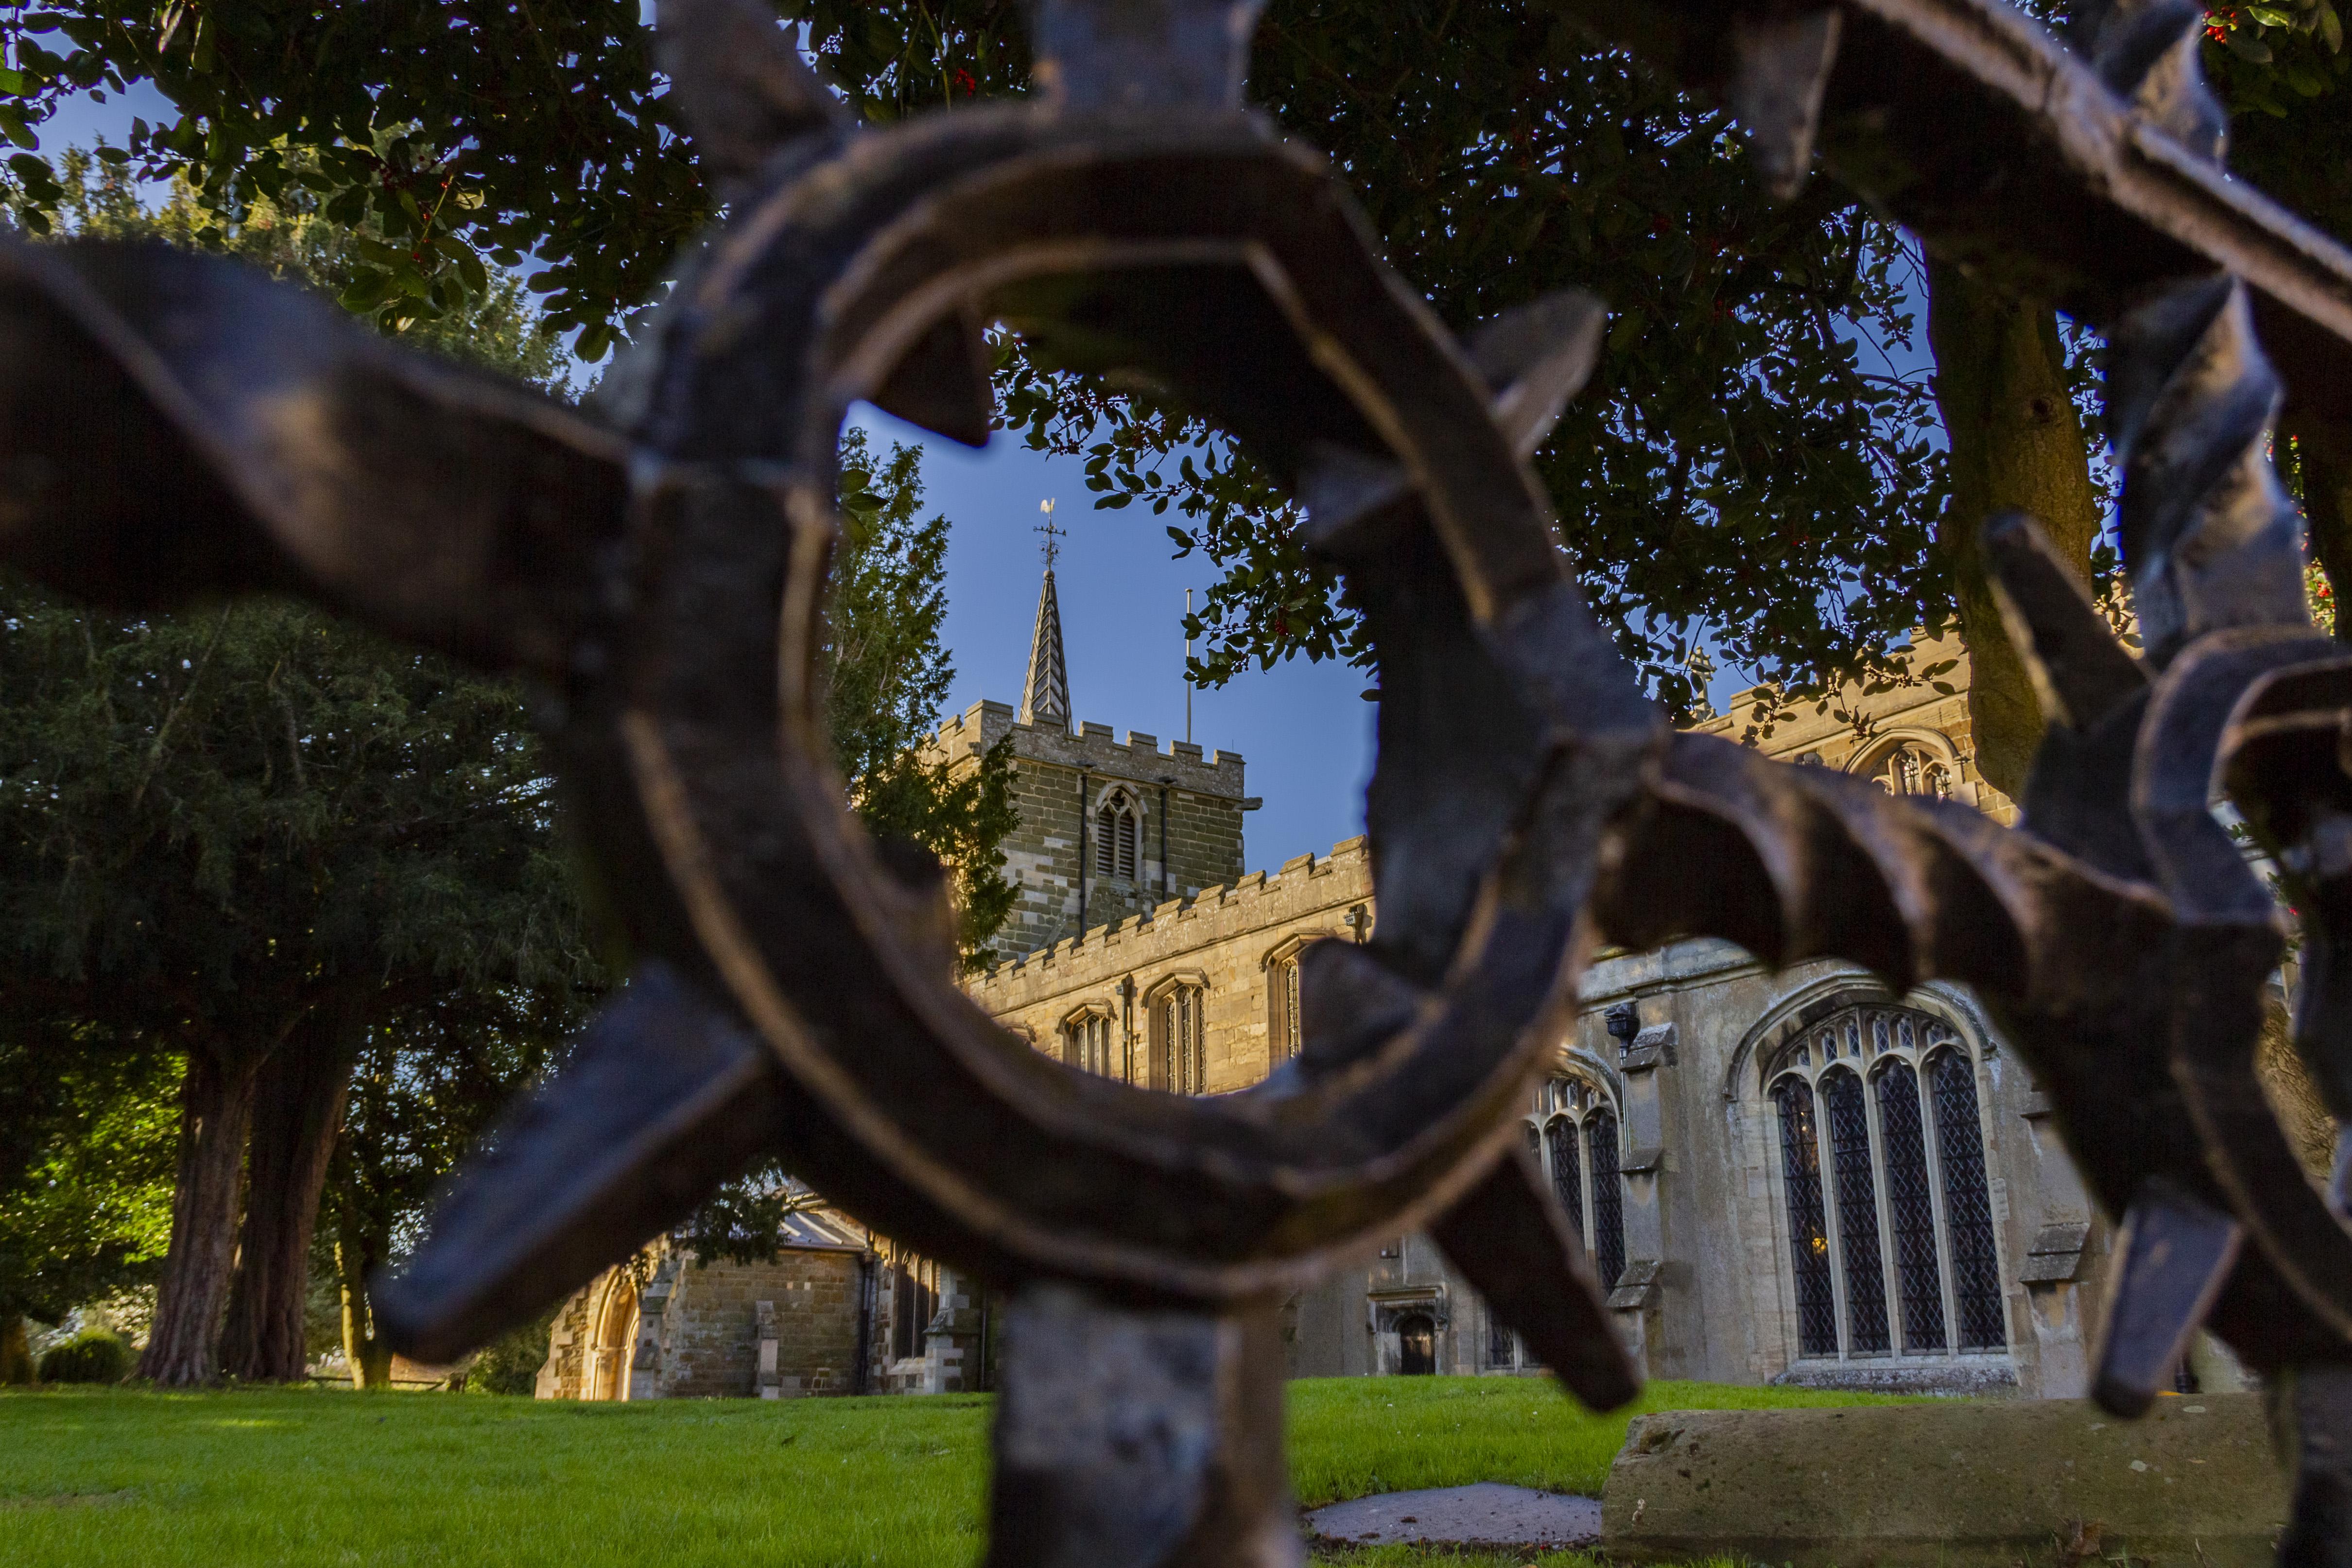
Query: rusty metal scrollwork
x: 172, y: 426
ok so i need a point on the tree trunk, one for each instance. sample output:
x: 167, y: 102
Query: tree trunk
x: 298, y: 1111
x: 363, y: 1348
x: 16, y: 1350
x: 2016, y: 446
x: 215, y: 1112
x: 2325, y: 452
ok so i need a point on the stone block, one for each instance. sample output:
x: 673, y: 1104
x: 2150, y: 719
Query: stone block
x: 1949, y: 1485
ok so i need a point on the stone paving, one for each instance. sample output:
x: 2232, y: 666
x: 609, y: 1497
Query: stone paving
x: 1488, y: 1514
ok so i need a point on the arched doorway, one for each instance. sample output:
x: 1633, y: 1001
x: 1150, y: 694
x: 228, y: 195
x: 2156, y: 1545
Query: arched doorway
x: 614, y: 1342
x: 1417, y: 1345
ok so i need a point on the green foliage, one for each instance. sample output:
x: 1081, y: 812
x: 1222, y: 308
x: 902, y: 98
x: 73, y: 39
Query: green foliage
x: 461, y: 139
x: 2283, y: 68
x: 430, y: 1082
x: 93, y: 1355
x: 89, y: 1140
x: 744, y: 1221
x: 887, y: 677
x: 509, y: 1364
x: 1737, y: 466
x: 492, y: 324
x: 205, y: 816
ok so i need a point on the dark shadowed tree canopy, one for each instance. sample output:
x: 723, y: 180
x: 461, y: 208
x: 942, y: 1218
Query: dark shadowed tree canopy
x: 1744, y: 465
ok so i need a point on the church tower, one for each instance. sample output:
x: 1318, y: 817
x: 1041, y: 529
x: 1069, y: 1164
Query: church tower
x: 1109, y: 828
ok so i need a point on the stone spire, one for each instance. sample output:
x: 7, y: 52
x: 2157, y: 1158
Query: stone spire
x: 1045, y: 696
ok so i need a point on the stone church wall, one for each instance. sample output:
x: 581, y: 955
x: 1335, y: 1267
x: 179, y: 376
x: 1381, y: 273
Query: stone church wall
x: 1188, y: 804
x: 711, y: 1344
x: 784, y: 1327
x: 1221, y: 940
x: 1677, y: 1049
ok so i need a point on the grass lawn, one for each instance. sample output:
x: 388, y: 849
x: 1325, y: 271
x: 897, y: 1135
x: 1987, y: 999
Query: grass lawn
x: 222, y: 1480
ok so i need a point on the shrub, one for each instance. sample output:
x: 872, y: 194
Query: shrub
x: 510, y: 1364
x: 93, y: 1355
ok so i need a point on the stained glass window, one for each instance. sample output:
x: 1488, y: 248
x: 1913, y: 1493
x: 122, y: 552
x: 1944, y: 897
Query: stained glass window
x: 1608, y: 1200
x: 1910, y: 1208
x: 1946, y: 1291
x: 1967, y: 1208
x: 1809, y: 1237
x: 1568, y: 1173
x: 1857, y: 1211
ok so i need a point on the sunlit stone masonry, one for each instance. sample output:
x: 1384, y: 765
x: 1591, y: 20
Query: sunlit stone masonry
x: 1790, y: 1177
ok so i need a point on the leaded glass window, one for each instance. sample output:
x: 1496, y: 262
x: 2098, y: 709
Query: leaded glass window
x: 1808, y: 1230
x: 1968, y: 1209
x: 1856, y: 1196
x: 1608, y: 1199
x: 1568, y: 1173
x: 1890, y: 1222
x: 1503, y: 1351
x: 1910, y: 1208
x: 1182, y: 1044
x: 1575, y: 1134
x: 1086, y: 1044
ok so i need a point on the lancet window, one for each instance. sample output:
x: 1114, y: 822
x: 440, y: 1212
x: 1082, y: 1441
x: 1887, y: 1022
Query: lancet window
x: 1086, y: 1043
x: 1180, y: 1040
x: 1114, y: 836
x: 1891, y: 1243
x: 1286, y: 1022
x: 1577, y: 1140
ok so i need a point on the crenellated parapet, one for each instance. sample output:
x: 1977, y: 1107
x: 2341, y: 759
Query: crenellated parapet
x: 1109, y: 828
x: 1225, y: 941
x: 1092, y: 747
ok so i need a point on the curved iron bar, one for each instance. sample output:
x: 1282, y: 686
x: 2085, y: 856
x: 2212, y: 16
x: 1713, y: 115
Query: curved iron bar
x: 666, y: 584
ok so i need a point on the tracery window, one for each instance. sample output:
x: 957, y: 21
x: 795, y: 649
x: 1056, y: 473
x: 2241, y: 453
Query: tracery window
x: 1579, y: 1151
x: 1179, y: 1041
x: 1086, y: 1043
x: 1908, y: 768
x: 1114, y: 836
x: 1891, y: 1241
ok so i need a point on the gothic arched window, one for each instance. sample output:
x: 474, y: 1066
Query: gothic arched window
x: 1114, y: 836
x: 1908, y: 768
x: 1578, y: 1148
x: 1286, y: 1021
x: 1179, y: 1054
x: 1086, y: 1042
x: 1884, y: 1183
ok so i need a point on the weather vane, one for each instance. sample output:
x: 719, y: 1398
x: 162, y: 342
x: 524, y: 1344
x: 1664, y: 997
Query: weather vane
x: 1054, y: 536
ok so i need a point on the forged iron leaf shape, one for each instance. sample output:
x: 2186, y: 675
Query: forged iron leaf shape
x: 171, y: 425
